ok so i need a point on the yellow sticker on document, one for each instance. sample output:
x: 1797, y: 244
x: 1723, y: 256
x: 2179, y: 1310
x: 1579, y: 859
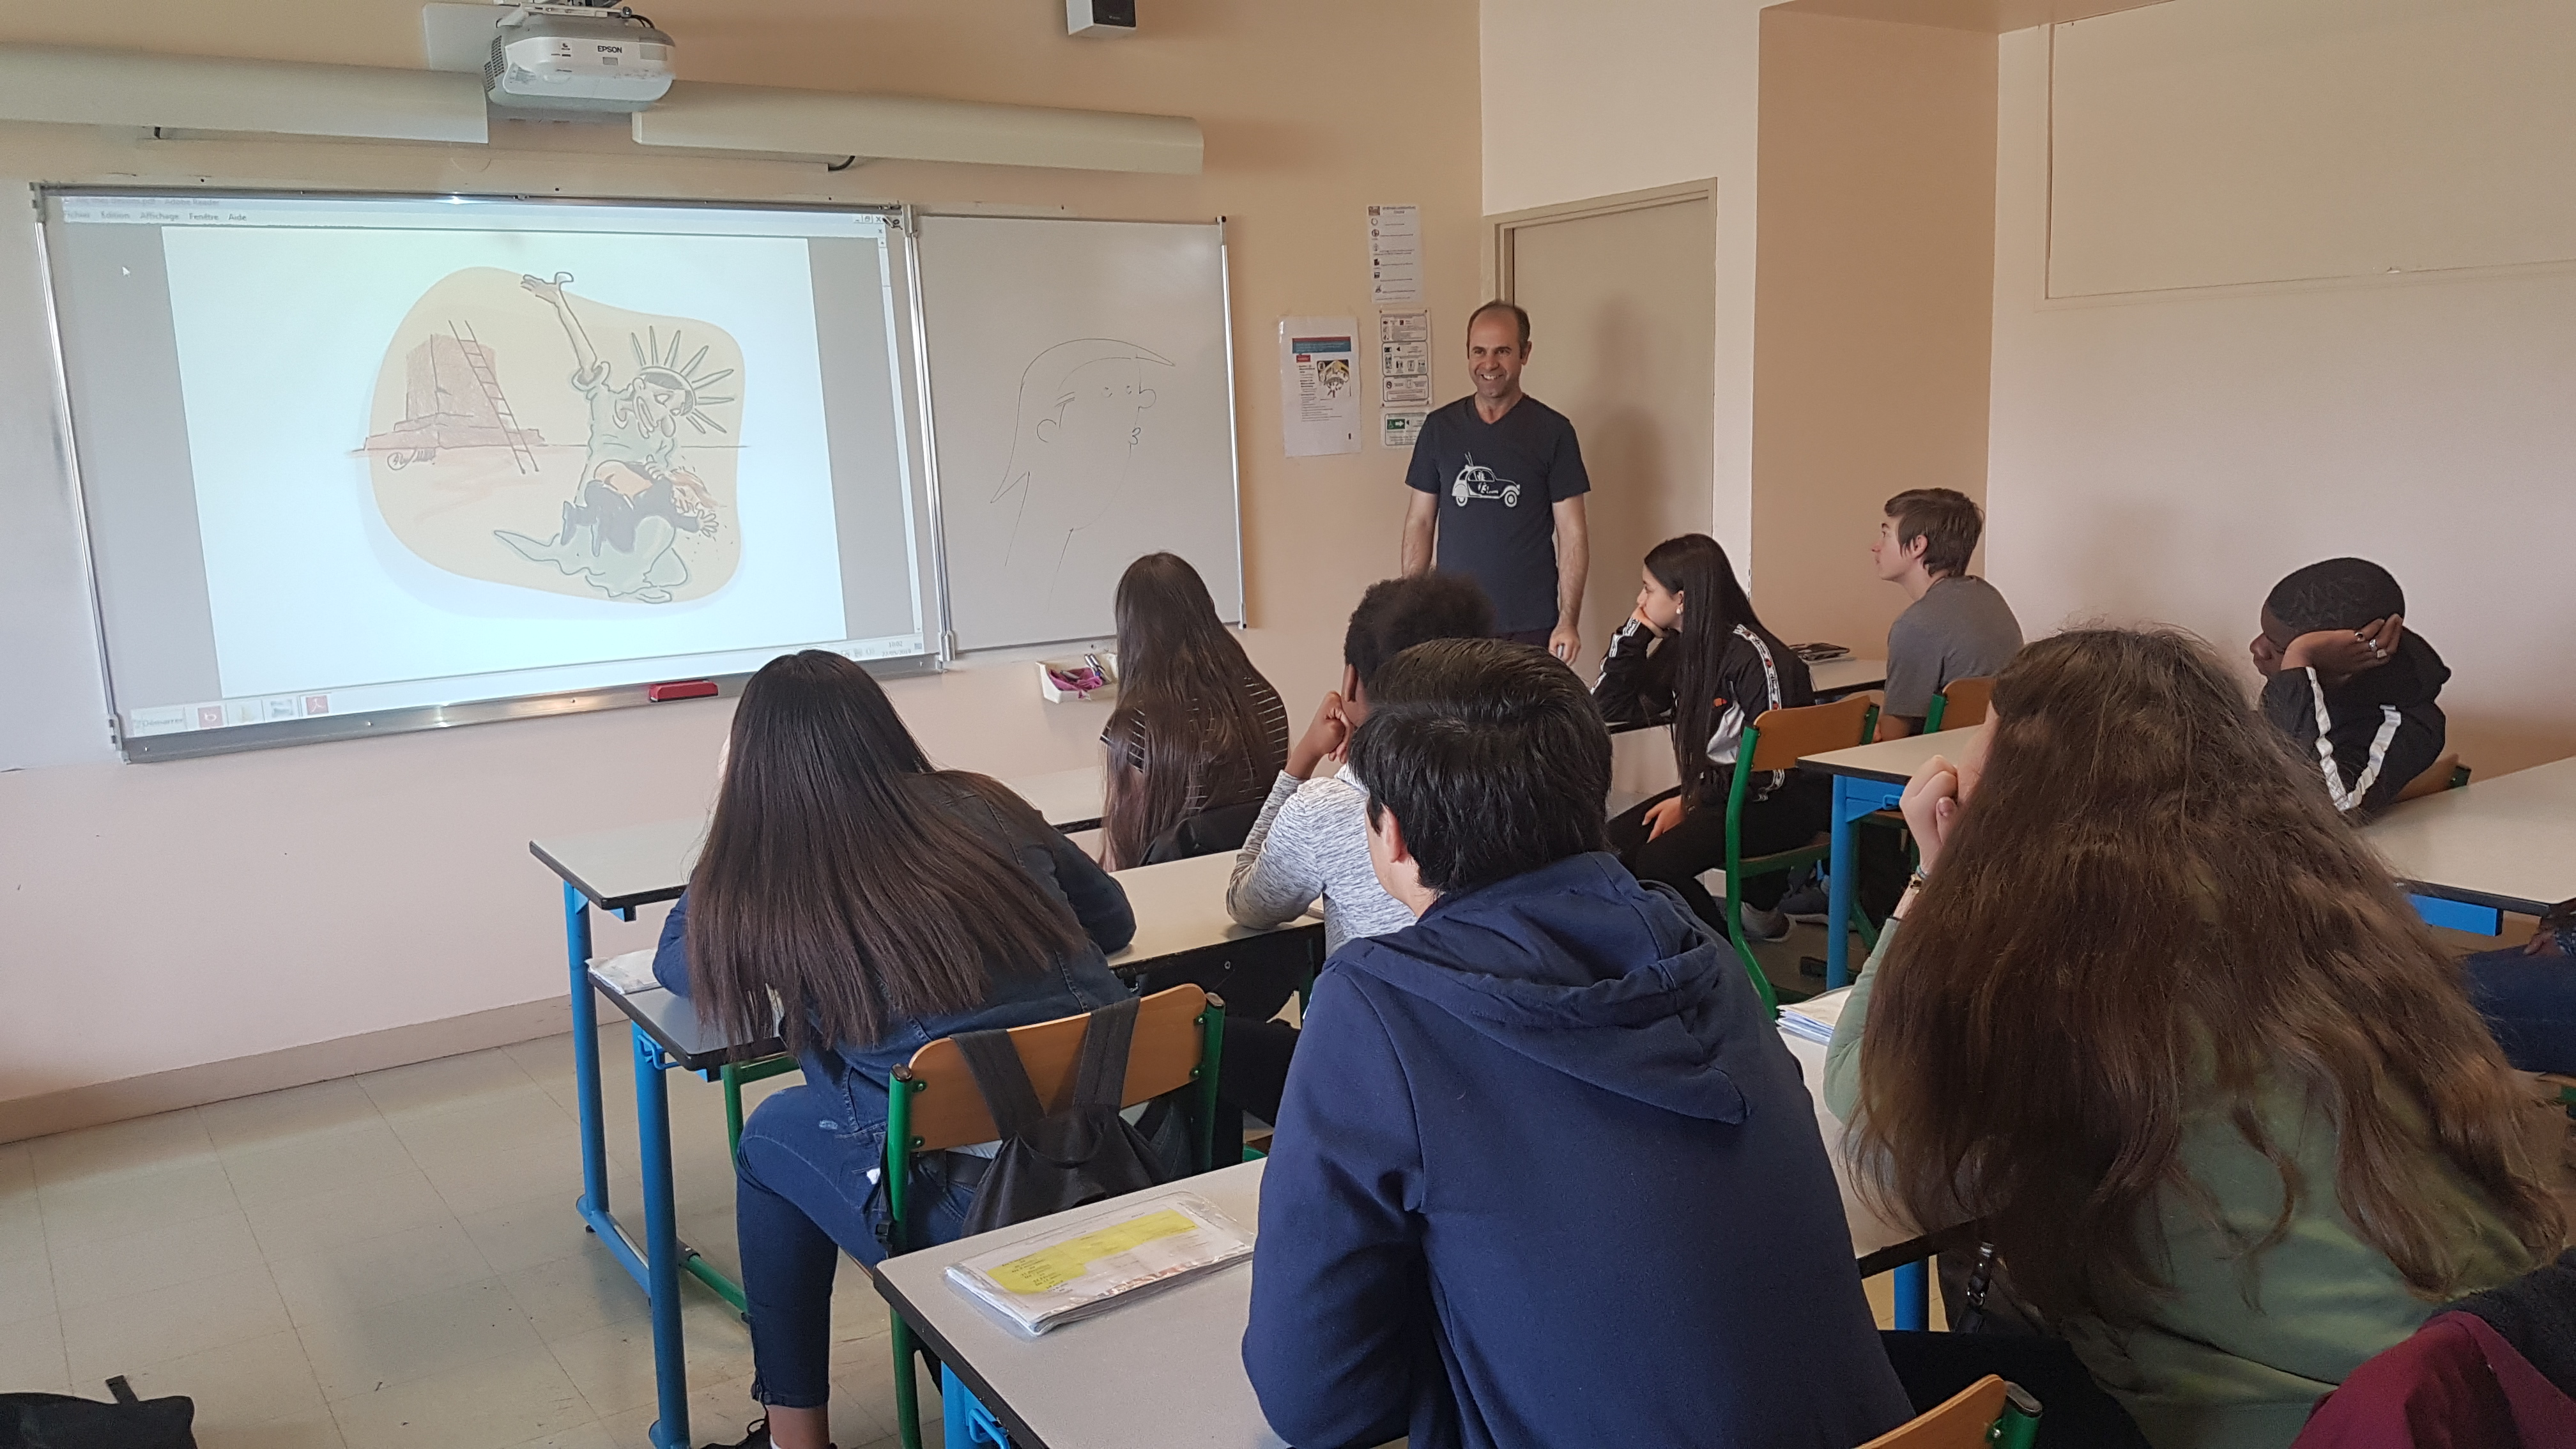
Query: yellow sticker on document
x: 1051, y: 1267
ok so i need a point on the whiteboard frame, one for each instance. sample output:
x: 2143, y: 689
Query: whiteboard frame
x: 229, y: 739
x: 1233, y: 418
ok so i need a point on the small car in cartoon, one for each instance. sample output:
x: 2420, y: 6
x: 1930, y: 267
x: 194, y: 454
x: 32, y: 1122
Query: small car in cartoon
x: 1474, y: 481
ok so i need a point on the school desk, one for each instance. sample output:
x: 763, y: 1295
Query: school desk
x: 1168, y: 1370
x: 2501, y: 844
x: 1181, y: 927
x: 1866, y: 778
x: 641, y: 865
x: 1837, y: 677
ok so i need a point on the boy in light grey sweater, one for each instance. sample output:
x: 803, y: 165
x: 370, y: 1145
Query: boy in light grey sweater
x: 1311, y: 839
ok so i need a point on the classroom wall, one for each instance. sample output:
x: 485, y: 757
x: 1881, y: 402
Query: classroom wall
x: 1583, y: 101
x: 2167, y: 454
x: 223, y: 922
x: 1873, y: 305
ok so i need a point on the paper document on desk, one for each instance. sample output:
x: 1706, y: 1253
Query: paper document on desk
x: 1074, y: 1265
x: 627, y: 974
x: 1814, y: 1019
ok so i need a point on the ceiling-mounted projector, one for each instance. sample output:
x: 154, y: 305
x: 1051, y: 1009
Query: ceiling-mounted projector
x: 577, y: 58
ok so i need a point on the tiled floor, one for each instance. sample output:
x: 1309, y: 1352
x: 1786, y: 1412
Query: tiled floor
x: 393, y: 1260
x: 388, y: 1260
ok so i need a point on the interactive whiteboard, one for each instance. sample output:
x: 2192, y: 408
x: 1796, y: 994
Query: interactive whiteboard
x: 357, y: 464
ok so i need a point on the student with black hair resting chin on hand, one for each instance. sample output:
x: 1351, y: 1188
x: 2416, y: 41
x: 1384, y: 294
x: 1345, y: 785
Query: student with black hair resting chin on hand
x: 1545, y: 1174
x: 2348, y: 683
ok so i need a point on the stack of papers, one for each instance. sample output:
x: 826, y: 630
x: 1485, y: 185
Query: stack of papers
x: 1061, y: 1271
x: 1813, y: 1020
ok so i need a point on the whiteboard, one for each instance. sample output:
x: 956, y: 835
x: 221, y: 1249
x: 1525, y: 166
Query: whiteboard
x: 1081, y: 402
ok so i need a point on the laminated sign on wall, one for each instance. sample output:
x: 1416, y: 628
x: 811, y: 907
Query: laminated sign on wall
x: 1319, y: 385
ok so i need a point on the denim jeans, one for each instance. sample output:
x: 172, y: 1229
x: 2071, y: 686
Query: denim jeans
x: 2530, y: 1004
x: 803, y: 1195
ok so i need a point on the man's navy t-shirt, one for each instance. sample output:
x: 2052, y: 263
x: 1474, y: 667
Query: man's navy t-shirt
x: 1498, y: 484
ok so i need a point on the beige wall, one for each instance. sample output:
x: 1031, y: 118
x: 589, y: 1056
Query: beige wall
x: 1590, y: 100
x: 2167, y: 455
x: 1873, y: 305
x: 158, y: 917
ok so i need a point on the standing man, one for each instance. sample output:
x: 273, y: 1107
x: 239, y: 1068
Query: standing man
x: 1498, y: 479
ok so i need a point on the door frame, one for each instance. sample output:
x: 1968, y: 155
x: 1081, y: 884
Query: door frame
x: 1498, y: 269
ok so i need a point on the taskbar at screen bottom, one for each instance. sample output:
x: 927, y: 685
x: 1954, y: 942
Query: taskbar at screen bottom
x: 262, y: 721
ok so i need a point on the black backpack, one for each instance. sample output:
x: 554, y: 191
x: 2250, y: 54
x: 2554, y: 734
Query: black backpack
x: 59, y: 1421
x: 1083, y: 1154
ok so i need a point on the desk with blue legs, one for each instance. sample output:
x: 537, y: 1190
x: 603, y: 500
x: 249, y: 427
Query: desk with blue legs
x: 2505, y: 843
x: 1866, y: 778
x: 1108, y: 1382
x: 1181, y: 925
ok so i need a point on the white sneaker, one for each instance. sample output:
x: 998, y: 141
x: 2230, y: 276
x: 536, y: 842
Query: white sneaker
x: 1763, y: 925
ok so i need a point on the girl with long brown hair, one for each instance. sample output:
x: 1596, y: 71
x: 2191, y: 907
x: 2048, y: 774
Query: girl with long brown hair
x: 883, y: 904
x: 1197, y: 728
x: 2160, y: 1022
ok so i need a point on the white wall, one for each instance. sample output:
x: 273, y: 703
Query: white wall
x: 2166, y: 456
x: 1590, y: 100
x: 156, y: 918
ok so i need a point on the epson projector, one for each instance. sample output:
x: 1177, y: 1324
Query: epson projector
x: 577, y: 58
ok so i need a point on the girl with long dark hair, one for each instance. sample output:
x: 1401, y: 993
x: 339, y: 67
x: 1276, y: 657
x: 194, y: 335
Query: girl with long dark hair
x: 2160, y: 1021
x: 1197, y: 727
x: 865, y: 903
x: 1695, y: 652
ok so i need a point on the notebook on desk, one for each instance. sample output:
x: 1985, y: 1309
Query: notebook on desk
x: 1813, y: 1019
x: 1077, y: 1265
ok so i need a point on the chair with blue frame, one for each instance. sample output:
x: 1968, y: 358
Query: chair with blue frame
x: 932, y: 1105
x: 1776, y: 741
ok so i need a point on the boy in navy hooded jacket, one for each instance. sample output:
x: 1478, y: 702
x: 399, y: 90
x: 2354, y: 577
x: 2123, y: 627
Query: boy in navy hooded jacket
x: 1545, y: 1173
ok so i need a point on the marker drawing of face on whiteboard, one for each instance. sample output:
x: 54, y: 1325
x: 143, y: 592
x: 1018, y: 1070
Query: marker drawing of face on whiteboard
x: 1081, y: 419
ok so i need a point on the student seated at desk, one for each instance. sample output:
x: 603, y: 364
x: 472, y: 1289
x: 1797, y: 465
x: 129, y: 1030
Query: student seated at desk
x: 2344, y: 678
x: 1695, y: 652
x: 1312, y: 835
x: 1545, y: 1175
x: 1196, y: 728
x: 889, y: 904
x: 2160, y: 1022
x: 1956, y: 626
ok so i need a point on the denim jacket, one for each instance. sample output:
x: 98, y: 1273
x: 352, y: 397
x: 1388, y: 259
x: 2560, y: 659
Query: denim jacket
x: 854, y: 1077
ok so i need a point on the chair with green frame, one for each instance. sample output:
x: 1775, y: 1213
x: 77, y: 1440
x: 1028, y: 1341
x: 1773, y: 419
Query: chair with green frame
x: 1777, y: 741
x: 1961, y: 705
x: 932, y: 1105
x: 1992, y: 1413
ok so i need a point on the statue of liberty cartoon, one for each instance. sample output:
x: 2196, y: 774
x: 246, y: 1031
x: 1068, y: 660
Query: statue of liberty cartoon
x: 636, y: 496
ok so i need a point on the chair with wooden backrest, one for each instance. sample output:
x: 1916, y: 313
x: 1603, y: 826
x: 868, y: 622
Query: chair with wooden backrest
x: 932, y: 1105
x: 1960, y: 706
x: 2446, y: 773
x: 1777, y: 741
x: 1990, y: 1411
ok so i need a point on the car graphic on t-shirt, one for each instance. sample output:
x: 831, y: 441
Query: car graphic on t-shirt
x: 1476, y: 482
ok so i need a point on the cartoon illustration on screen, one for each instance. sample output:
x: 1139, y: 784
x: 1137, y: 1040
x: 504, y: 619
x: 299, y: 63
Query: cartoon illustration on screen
x: 612, y: 480
x: 1081, y: 418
